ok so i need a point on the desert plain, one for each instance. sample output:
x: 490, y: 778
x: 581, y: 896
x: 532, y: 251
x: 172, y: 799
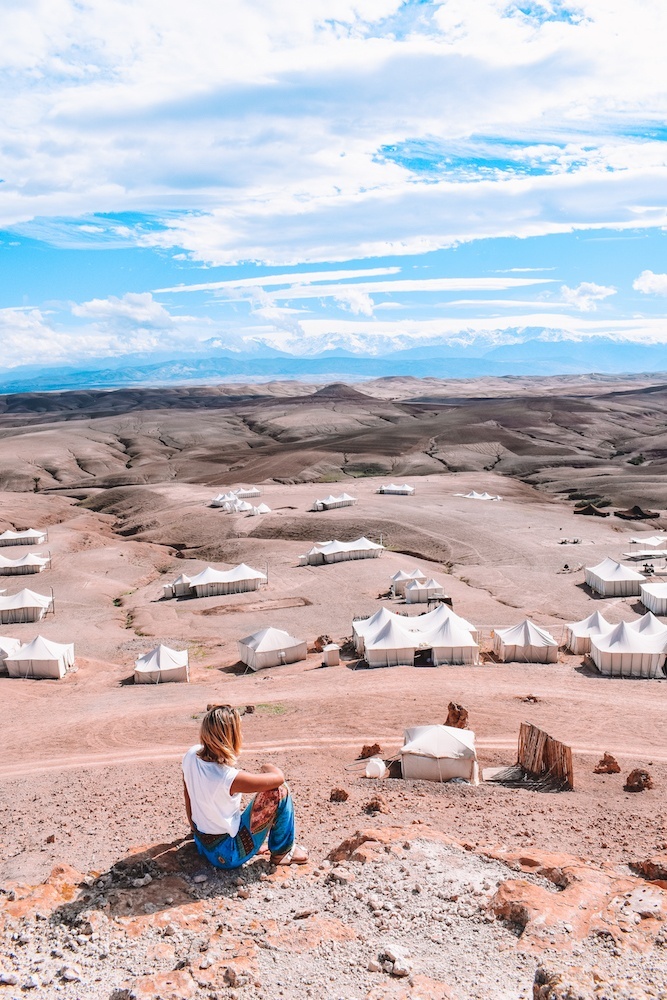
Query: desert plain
x: 414, y: 889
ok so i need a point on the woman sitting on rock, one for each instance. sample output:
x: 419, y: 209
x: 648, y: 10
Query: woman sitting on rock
x: 213, y: 785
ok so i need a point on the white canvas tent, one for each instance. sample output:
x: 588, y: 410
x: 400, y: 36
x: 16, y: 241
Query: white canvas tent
x: 222, y: 498
x: 612, y: 579
x: 391, y: 646
x: 651, y: 554
x: 579, y: 633
x: 439, y: 753
x: 439, y: 615
x: 8, y: 646
x: 451, y: 643
x: 625, y: 652
x: 395, y: 644
x: 423, y: 591
x: 402, y: 578
x: 271, y: 647
x: 28, y: 537
x: 402, y: 491
x: 180, y: 587
x: 365, y: 629
x: 261, y: 508
x: 647, y: 541
x: 41, y: 658
x: 648, y: 624
x: 247, y: 492
x: 474, y: 495
x: 364, y: 626
x: 335, y: 551
x: 213, y: 582
x: 330, y: 502
x: 654, y: 597
x: 525, y: 643
x: 161, y: 666
x: 26, y: 606
x: 31, y: 562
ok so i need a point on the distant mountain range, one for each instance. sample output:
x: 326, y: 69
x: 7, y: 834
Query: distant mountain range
x: 532, y: 357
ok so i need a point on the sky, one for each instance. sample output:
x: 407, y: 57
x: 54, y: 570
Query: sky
x: 360, y: 175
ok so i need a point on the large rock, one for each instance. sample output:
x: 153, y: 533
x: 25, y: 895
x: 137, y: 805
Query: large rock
x: 585, y: 900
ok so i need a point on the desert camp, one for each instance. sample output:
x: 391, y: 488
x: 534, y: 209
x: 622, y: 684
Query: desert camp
x: 333, y: 500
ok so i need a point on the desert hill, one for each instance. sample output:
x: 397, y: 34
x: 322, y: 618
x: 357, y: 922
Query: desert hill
x: 566, y: 435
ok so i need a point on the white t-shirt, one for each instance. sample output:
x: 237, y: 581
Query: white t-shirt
x: 214, y: 810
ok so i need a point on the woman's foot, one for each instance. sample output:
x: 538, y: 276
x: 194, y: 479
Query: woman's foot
x: 297, y: 856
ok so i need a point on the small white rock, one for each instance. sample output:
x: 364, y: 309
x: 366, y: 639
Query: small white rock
x: 401, y: 968
x: 70, y: 974
x: 200, y: 878
x: 9, y: 979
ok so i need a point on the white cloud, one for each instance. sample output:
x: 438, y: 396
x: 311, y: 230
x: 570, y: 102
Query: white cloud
x: 587, y: 295
x: 650, y: 283
x: 301, y: 278
x: 259, y: 122
x: 139, y: 309
x: 357, y: 301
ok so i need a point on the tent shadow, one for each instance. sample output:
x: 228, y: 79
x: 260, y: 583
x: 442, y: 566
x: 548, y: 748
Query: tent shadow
x: 172, y: 868
x: 237, y: 669
x: 590, y: 593
x: 587, y: 669
x: 126, y: 681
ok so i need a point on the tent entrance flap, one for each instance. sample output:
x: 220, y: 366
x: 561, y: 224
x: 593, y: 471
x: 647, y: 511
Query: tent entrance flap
x: 424, y: 657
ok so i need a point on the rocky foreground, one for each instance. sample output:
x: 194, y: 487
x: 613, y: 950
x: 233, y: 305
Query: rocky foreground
x: 402, y: 913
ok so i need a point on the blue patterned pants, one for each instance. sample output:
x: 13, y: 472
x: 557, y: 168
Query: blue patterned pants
x: 269, y: 813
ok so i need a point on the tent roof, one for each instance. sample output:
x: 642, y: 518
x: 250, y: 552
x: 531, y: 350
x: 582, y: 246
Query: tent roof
x: 439, y: 742
x: 380, y: 617
x: 414, y: 574
x: 263, y: 508
x: 590, y: 509
x: 449, y: 633
x: 589, y: 626
x: 29, y: 559
x: 423, y: 623
x: 28, y: 533
x: 636, y: 513
x: 624, y: 639
x: 526, y: 633
x: 25, y: 599
x: 240, y: 572
x: 270, y: 639
x: 43, y: 649
x: 647, y: 540
x: 648, y: 624
x: 181, y: 579
x: 392, y: 636
x: 474, y: 495
x: 655, y: 589
x: 611, y: 570
x: 9, y: 645
x: 335, y: 546
x: 162, y: 658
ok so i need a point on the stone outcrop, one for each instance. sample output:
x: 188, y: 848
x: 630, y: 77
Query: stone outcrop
x: 457, y: 716
x: 607, y: 765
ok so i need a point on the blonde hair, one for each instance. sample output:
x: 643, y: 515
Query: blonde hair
x: 220, y: 735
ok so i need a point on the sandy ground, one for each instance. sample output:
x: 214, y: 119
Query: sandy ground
x: 95, y: 761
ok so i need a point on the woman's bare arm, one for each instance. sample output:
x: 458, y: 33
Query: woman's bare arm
x: 245, y: 781
x: 188, y: 806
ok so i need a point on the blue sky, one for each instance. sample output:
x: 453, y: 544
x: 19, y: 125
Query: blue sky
x: 368, y: 175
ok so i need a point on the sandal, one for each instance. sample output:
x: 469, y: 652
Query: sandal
x: 296, y: 856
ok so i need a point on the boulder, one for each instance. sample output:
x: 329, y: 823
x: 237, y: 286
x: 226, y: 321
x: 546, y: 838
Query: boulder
x: 638, y: 780
x: 457, y: 716
x: 607, y: 765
